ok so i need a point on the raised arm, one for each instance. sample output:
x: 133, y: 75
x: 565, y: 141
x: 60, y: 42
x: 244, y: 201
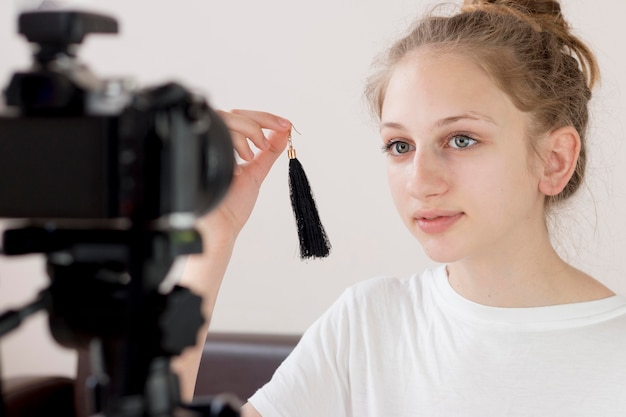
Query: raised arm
x: 203, y: 273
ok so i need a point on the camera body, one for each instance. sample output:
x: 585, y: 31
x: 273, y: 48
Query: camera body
x: 75, y: 148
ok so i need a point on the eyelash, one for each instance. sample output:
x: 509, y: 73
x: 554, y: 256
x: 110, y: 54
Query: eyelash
x: 464, y: 136
x: 388, y: 147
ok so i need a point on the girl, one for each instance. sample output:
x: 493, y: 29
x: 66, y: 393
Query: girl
x: 483, y: 117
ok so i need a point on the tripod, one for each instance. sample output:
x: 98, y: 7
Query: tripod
x: 104, y: 295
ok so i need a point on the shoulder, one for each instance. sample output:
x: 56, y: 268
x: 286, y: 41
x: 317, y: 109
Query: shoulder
x: 380, y: 307
x: 374, y: 311
x: 385, y: 295
x: 383, y: 286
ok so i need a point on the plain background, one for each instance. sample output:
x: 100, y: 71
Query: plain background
x: 308, y: 61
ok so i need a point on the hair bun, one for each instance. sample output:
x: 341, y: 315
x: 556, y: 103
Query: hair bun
x: 530, y: 6
x: 543, y: 14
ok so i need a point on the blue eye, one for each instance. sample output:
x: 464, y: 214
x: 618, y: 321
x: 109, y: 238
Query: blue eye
x: 461, y: 141
x: 397, y: 147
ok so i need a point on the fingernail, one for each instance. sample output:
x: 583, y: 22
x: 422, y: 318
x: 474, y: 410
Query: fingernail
x: 284, y: 122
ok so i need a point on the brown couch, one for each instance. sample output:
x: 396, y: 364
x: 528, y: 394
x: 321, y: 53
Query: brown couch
x: 234, y: 363
x: 240, y: 363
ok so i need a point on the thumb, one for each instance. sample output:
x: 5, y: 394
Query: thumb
x: 264, y: 160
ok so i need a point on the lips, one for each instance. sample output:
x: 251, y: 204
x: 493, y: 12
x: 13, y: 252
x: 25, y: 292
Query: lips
x: 437, y: 221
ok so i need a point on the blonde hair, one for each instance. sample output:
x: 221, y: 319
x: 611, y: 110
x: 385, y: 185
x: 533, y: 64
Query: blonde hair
x: 529, y: 51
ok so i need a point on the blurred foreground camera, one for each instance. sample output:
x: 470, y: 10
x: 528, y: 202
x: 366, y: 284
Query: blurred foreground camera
x: 73, y: 146
x: 107, y: 183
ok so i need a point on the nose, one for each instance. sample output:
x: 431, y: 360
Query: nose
x: 426, y: 177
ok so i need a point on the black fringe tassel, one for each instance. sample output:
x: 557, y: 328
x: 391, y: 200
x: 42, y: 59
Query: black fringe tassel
x: 313, y: 240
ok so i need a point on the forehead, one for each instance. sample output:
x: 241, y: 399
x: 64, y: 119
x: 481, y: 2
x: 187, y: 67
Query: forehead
x: 427, y: 86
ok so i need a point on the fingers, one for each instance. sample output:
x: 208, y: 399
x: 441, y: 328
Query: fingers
x: 247, y: 126
x: 266, y: 120
x: 261, y: 165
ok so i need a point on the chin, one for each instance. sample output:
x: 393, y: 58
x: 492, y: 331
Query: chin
x: 441, y: 252
x: 442, y: 258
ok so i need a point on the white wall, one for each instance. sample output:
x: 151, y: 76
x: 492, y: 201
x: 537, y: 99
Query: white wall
x: 307, y: 61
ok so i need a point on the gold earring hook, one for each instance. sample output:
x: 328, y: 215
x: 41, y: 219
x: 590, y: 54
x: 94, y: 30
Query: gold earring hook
x: 291, y: 152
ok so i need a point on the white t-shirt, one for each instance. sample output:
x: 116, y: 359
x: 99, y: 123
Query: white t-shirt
x: 415, y: 347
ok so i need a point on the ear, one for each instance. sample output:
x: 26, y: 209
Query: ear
x: 560, y: 159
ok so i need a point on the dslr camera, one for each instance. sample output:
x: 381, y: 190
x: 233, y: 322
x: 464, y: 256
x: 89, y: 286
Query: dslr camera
x: 107, y: 182
x: 79, y: 148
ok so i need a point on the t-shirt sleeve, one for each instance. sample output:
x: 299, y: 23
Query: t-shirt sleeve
x: 313, y: 381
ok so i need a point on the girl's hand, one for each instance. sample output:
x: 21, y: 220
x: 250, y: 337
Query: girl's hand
x: 220, y: 227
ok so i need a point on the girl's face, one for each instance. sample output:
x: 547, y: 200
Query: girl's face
x: 460, y: 168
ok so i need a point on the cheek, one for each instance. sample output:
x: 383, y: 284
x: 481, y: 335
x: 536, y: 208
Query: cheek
x: 395, y: 180
x: 501, y: 187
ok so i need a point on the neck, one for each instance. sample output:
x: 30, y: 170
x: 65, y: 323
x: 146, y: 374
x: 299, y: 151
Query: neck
x: 529, y: 275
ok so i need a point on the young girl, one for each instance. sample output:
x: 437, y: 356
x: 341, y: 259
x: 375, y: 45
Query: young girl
x: 483, y: 117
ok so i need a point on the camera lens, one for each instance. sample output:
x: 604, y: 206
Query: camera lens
x: 218, y: 163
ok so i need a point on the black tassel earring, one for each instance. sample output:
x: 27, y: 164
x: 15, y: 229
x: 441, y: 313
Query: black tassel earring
x: 313, y: 240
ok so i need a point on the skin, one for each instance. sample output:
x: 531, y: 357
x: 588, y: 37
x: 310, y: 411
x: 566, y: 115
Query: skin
x: 462, y: 175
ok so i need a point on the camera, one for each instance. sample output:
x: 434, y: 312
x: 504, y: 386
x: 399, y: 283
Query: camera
x: 76, y: 148
x: 108, y: 181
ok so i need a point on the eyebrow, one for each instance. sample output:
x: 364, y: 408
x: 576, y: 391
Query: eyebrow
x: 470, y: 115
x: 445, y: 121
x: 392, y: 125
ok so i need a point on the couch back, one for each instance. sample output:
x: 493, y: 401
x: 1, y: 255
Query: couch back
x: 241, y: 363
